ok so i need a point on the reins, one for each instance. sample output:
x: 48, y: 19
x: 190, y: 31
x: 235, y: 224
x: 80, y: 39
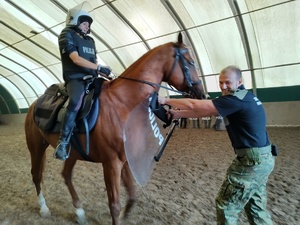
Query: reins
x: 153, y: 84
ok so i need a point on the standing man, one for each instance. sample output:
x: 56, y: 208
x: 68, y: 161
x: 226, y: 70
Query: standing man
x: 244, y: 186
x: 78, y: 57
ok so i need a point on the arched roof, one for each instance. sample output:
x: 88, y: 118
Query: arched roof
x: 261, y: 37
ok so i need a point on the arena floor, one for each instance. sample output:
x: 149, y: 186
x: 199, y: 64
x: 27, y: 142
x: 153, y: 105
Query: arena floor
x: 181, y: 190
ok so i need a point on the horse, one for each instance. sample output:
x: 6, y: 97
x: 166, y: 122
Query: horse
x: 170, y: 62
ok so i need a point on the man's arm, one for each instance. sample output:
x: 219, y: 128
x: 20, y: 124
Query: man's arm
x: 189, y: 108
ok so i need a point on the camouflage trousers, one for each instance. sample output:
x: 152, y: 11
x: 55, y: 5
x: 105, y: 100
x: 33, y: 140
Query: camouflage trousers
x: 245, y: 188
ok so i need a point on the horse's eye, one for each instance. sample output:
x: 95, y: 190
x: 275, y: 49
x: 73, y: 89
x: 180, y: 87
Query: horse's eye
x: 191, y: 63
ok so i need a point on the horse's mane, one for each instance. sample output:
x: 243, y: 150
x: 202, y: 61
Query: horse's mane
x: 149, y: 53
x: 106, y: 85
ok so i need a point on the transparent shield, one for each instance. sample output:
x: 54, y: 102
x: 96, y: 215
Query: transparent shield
x: 143, y: 136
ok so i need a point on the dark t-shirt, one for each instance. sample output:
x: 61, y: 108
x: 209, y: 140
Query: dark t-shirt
x: 69, y: 41
x: 244, y: 117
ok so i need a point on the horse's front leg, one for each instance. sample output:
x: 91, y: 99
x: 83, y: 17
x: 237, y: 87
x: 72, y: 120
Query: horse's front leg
x: 67, y: 174
x: 129, y: 184
x: 112, y: 177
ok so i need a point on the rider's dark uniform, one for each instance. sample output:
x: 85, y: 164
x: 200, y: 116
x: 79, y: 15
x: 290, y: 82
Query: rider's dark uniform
x: 70, y: 41
x: 246, y: 178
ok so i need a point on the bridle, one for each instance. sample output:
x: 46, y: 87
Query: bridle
x: 179, y: 55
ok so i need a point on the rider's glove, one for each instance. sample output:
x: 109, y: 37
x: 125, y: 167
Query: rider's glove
x: 104, y: 69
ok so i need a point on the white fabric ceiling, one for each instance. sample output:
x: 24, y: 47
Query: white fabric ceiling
x: 260, y: 36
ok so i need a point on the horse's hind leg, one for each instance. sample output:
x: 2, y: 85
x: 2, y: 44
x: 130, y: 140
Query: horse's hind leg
x: 129, y: 184
x: 37, y: 146
x: 67, y: 174
x: 37, y: 167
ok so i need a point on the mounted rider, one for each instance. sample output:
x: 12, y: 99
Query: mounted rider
x: 79, y: 59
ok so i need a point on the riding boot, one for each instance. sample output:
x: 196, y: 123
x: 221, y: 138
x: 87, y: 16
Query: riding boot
x: 67, y: 125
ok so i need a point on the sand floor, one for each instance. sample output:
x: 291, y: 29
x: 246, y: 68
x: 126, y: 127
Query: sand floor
x: 181, y: 191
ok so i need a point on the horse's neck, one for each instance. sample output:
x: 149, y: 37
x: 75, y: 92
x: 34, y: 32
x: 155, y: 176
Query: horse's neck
x: 132, y: 92
x: 150, y: 68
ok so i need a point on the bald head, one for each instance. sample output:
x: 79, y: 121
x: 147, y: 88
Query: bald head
x: 232, y: 69
x: 230, y: 79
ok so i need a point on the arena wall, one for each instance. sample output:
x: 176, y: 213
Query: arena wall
x: 278, y: 114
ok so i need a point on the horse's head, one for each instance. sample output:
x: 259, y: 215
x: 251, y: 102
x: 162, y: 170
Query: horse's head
x: 181, y: 72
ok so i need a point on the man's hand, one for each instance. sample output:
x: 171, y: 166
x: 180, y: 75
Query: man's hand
x: 104, y: 69
x: 173, y: 113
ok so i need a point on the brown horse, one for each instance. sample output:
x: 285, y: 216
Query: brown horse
x: 171, y: 63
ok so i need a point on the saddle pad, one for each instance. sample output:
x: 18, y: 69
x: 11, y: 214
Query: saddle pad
x: 47, y: 107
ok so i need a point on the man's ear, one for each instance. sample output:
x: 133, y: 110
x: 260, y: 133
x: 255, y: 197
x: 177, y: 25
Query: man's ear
x: 240, y: 81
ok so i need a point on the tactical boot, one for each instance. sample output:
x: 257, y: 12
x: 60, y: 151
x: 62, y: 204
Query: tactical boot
x: 67, y: 126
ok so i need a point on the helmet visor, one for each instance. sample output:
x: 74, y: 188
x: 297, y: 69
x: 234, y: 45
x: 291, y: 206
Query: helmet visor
x: 82, y: 11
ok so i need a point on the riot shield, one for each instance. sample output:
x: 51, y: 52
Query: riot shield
x: 143, y: 136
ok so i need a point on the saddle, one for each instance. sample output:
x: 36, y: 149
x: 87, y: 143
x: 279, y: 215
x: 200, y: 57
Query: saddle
x: 51, y: 106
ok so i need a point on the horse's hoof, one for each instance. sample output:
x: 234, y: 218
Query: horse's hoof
x: 80, y: 216
x: 80, y: 220
x: 45, y: 213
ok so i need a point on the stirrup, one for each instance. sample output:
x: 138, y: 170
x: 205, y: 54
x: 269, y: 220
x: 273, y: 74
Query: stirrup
x: 67, y: 152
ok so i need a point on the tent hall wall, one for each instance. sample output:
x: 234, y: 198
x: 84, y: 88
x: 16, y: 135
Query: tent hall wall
x: 261, y: 37
x: 278, y: 114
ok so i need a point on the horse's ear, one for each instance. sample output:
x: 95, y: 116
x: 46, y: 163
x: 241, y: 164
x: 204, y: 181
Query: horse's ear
x: 180, y: 38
